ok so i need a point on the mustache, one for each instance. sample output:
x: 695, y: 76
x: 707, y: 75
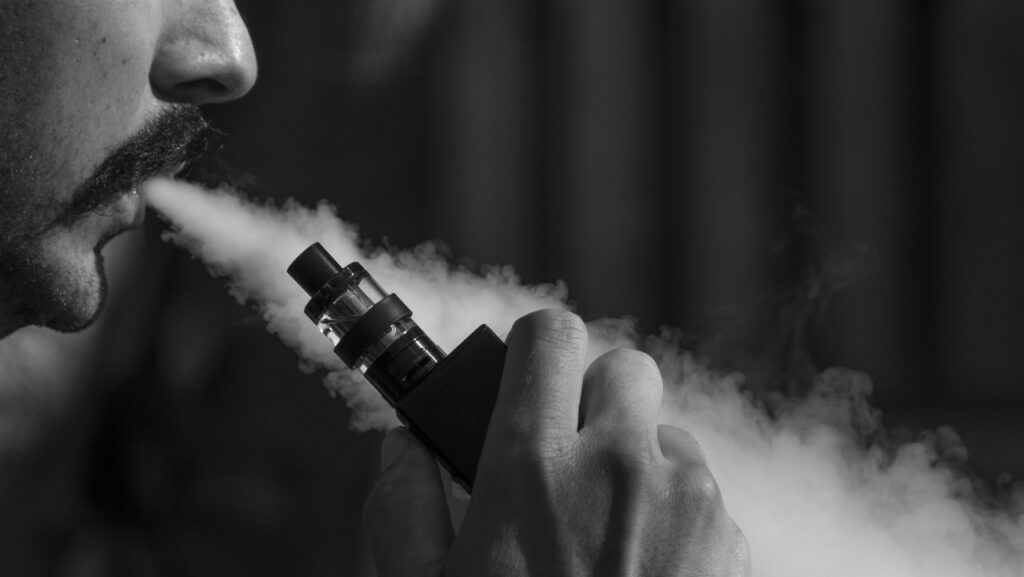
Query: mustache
x: 177, y: 136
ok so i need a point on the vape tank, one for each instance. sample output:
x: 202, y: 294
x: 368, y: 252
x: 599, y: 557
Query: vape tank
x: 446, y: 401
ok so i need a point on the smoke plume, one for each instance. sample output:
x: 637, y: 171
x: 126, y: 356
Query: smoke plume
x: 252, y: 245
x: 812, y: 494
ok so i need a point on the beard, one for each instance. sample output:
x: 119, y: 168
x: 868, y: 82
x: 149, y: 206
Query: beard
x: 47, y: 277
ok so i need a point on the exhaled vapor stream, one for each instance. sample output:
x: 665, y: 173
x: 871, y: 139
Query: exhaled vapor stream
x: 812, y: 499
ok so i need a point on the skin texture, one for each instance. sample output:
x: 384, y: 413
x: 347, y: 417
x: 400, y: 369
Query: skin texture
x: 576, y: 478
x: 79, y: 79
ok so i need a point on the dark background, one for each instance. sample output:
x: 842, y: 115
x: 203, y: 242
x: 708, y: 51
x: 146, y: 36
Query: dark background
x: 796, y: 184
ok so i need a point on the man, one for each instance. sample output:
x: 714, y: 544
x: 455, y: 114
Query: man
x: 575, y: 479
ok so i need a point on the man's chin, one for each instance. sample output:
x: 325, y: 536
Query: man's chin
x: 74, y: 321
x: 79, y: 306
x: 60, y: 293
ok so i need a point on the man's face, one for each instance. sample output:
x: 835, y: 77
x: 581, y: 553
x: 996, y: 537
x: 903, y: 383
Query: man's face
x: 95, y: 96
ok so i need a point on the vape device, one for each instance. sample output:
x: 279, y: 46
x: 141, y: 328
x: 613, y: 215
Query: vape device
x: 445, y: 400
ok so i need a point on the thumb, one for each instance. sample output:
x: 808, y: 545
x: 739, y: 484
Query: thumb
x: 406, y: 515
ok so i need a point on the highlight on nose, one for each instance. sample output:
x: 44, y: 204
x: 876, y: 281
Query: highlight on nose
x: 204, y: 55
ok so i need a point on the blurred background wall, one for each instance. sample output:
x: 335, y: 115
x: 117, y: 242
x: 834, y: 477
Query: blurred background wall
x: 795, y: 184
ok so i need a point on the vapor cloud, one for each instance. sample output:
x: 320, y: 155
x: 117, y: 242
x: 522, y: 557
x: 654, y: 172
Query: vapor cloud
x: 814, y: 498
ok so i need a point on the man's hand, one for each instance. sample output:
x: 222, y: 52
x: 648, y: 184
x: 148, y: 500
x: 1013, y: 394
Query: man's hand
x: 576, y: 478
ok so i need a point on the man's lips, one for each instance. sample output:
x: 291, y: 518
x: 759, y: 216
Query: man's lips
x: 133, y: 202
x: 140, y: 209
x: 127, y: 210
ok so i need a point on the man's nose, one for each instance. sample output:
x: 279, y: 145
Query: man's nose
x: 204, y: 54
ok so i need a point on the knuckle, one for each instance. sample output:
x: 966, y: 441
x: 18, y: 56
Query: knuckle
x: 632, y: 375
x: 627, y: 364
x: 555, y: 327
x: 683, y: 445
x: 641, y: 361
x: 698, y: 489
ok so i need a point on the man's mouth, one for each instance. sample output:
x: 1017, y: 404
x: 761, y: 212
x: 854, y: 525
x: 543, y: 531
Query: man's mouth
x: 129, y: 207
x: 140, y: 199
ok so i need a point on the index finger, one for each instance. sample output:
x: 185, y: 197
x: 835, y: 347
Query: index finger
x: 543, y: 376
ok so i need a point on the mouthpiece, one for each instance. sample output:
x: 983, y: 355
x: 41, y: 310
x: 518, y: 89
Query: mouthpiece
x: 313, y: 268
x: 446, y: 401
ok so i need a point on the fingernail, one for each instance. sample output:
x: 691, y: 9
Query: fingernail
x: 394, y: 446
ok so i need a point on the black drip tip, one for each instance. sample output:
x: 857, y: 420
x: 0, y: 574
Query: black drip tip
x: 313, y: 268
